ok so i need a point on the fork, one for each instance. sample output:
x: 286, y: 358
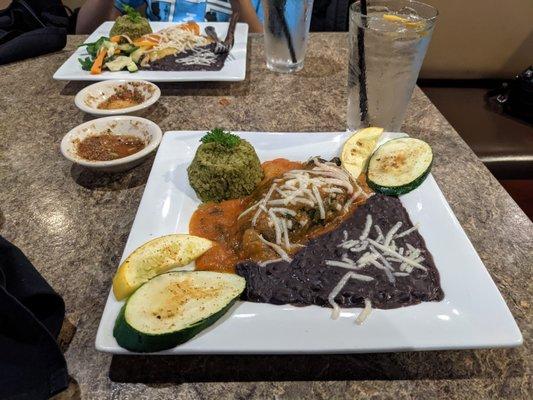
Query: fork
x: 226, y: 45
x: 220, y: 47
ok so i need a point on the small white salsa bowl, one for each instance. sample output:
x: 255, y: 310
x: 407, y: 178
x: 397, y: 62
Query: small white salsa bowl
x: 91, y: 96
x: 143, y: 128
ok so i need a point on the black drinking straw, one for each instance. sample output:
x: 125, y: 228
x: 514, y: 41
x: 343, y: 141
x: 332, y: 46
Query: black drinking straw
x: 278, y: 6
x: 363, y: 101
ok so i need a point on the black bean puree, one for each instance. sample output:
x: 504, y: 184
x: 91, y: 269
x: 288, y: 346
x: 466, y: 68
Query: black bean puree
x: 169, y: 63
x: 308, y: 280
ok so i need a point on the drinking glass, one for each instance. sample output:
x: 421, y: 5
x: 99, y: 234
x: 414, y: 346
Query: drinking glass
x: 386, y: 49
x: 286, y: 27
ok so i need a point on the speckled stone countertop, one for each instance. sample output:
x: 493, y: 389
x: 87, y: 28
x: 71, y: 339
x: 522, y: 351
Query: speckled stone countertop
x: 73, y: 225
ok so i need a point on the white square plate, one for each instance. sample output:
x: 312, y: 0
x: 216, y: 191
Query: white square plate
x: 473, y: 313
x: 234, y: 68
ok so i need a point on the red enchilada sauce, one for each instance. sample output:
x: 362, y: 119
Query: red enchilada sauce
x: 216, y: 222
x: 219, y: 222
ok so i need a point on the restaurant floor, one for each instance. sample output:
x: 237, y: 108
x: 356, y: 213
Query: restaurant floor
x: 503, y: 143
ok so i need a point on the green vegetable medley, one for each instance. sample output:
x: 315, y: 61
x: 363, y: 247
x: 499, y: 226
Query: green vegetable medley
x: 113, y: 54
x: 123, y: 48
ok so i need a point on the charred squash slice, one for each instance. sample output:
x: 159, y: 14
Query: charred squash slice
x: 172, y: 308
x: 399, y: 166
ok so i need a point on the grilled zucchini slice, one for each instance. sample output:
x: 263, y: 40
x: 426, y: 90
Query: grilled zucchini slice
x: 173, y: 307
x: 399, y: 166
x: 155, y: 257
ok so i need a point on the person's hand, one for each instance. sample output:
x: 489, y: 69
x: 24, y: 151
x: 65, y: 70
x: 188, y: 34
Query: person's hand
x: 92, y: 13
x: 247, y: 14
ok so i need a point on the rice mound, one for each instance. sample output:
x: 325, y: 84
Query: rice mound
x: 219, y: 173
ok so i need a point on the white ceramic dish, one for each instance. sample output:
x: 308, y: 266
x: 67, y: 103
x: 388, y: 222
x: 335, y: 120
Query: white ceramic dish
x: 473, y: 314
x: 234, y: 68
x: 91, y: 96
x: 120, y: 125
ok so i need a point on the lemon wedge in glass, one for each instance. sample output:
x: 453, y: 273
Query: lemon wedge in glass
x: 358, y: 148
x: 405, y: 21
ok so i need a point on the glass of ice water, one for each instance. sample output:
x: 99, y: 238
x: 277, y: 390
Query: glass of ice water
x: 286, y: 27
x: 386, y: 50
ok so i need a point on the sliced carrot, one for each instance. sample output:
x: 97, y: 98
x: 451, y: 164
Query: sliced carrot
x: 153, y: 37
x: 115, y: 39
x: 191, y: 26
x: 98, y: 62
x: 148, y: 39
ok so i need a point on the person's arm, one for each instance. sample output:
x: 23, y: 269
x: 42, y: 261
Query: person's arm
x: 92, y: 13
x: 247, y: 14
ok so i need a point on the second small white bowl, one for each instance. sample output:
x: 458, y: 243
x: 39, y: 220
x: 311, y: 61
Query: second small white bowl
x: 143, y: 128
x: 91, y: 96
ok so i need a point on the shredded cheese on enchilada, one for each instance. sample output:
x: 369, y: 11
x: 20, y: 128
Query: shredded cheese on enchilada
x: 179, y: 38
x: 308, y: 187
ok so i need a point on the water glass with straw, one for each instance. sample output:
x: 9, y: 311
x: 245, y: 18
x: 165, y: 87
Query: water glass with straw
x: 286, y: 30
x: 388, y: 40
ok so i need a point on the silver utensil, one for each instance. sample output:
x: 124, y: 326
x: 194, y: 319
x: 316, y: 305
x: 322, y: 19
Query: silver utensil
x: 226, y: 45
x: 231, y: 29
x: 220, y: 47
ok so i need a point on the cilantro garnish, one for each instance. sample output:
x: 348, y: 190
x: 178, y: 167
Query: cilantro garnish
x: 133, y: 14
x: 219, y: 135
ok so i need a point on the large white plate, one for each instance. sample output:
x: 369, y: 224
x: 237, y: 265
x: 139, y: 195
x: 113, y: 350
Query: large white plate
x: 473, y: 314
x: 234, y: 68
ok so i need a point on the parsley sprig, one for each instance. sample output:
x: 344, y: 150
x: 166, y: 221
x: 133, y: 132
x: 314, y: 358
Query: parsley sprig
x: 133, y: 14
x: 219, y: 135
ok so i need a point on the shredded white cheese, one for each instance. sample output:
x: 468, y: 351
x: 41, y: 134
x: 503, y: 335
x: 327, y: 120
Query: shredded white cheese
x: 387, y: 271
x: 284, y: 256
x: 407, y: 232
x: 285, y: 232
x: 179, y: 38
x: 202, y: 56
x: 379, y: 232
x: 380, y: 253
x: 348, y: 244
x: 401, y: 274
x: 342, y: 264
x: 365, y: 313
x: 391, y: 233
x: 284, y: 210
x: 333, y: 189
x: 397, y: 255
x: 366, y: 230
x: 249, y: 209
x: 277, y: 225
x: 305, y: 187
x: 265, y: 263
x: 336, y: 290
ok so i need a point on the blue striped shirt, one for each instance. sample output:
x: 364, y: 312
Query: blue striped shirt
x: 184, y: 10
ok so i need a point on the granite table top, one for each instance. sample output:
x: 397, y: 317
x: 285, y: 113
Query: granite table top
x: 73, y: 225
